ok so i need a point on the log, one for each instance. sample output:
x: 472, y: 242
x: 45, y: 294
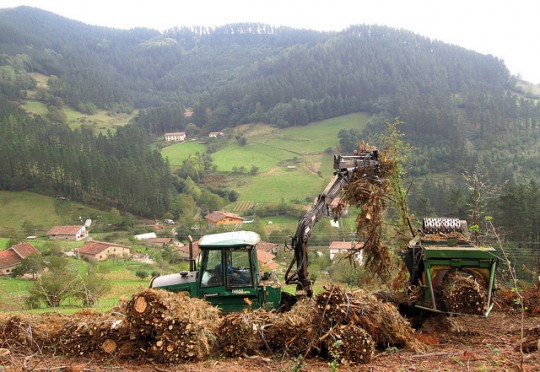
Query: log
x: 140, y: 304
x: 109, y: 346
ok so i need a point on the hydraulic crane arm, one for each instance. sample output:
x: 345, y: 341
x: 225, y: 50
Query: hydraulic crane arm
x: 344, y: 167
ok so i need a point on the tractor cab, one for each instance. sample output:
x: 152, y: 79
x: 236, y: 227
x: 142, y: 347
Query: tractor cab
x: 228, y: 275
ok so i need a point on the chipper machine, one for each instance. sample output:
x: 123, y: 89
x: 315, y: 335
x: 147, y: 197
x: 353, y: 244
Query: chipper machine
x: 448, y: 273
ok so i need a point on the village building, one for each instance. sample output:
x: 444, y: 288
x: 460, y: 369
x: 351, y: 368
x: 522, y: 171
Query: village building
x: 175, y: 136
x: 341, y: 248
x: 70, y: 232
x: 215, y: 134
x: 11, y: 258
x: 183, y: 251
x: 101, y: 251
x: 268, y: 247
x: 221, y: 219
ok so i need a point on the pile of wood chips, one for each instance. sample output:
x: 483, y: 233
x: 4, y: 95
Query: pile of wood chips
x: 166, y: 327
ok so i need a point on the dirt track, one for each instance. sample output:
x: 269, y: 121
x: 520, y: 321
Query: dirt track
x: 454, y: 344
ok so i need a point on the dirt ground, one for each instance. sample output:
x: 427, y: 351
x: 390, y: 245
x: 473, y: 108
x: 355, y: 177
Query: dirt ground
x: 466, y: 343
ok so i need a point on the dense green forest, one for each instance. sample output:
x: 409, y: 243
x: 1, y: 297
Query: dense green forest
x: 462, y: 111
x: 116, y: 170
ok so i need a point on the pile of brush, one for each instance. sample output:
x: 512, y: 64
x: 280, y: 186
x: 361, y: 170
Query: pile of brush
x: 346, y: 326
x: 462, y: 293
x: 165, y: 327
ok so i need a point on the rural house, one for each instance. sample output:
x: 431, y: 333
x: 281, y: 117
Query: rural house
x: 268, y: 247
x: 183, y: 251
x: 219, y: 218
x: 10, y: 258
x: 267, y: 260
x: 101, y: 251
x: 70, y: 232
x: 215, y: 134
x: 341, y: 248
x: 175, y: 136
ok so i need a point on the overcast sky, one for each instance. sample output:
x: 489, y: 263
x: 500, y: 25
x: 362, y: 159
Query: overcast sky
x: 506, y: 29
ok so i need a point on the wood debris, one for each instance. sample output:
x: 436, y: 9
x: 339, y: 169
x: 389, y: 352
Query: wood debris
x: 170, y: 328
x: 462, y: 293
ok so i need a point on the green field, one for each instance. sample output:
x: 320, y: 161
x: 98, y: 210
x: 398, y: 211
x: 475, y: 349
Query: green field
x: 43, y: 212
x: 18, y: 207
x: 178, y: 152
x: 271, y: 147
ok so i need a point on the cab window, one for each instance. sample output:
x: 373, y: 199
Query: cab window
x: 212, y: 275
x: 239, y: 268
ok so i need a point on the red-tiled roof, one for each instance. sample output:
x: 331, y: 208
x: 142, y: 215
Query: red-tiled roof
x: 9, y: 258
x: 267, y: 247
x: 15, y: 254
x: 345, y: 245
x: 94, y: 247
x: 65, y: 230
x: 24, y: 249
x: 185, y: 249
x: 272, y: 265
x: 264, y: 257
x: 217, y: 216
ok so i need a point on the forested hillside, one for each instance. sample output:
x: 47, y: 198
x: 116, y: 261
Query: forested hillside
x: 461, y: 109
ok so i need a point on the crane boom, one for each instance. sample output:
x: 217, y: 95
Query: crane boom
x: 344, y: 167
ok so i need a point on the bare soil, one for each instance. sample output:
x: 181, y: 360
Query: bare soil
x: 468, y: 343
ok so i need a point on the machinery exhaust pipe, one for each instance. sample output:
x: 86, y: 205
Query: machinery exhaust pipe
x: 191, y: 260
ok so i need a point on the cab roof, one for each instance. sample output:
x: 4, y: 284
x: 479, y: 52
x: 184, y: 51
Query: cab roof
x: 229, y: 239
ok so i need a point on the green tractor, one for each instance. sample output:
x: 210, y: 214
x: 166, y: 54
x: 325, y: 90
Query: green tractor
x: 448, y: 273
x: 228, y: 275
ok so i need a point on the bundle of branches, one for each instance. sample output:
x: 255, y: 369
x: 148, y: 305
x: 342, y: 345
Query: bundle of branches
x: 296, y: 332
x: 462, y: 293
x: 350, y: 344
x: 369, y: 190
x: 244, y: 333
x: 381, y: 320
x: 86, y: 334
x: 171, y: 327
x: 20, y: 334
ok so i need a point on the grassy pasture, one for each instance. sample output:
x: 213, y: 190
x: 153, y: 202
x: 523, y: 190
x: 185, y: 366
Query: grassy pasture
x: 178, y: 152
x: 18, y: 207
x: 280, y: 184
x: 269, y: 147
x: 42, y: 211
x: 255, y: 154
